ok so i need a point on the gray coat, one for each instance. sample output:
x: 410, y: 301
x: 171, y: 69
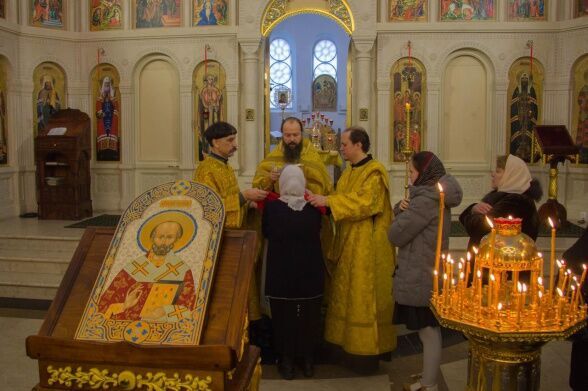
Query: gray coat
x: 414, y: 232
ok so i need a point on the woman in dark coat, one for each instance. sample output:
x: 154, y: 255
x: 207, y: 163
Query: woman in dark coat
x: 514, y: 194
x: 575, y: 256
x: 414, y: 232
x: 294, y: 272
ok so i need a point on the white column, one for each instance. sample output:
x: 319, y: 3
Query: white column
x: 24, y: 12
x: 84, y: 16
x: 127, y: 147
x: 432, y: 140
x: 187, y: 13
x: 362, y: 88
x: 127, y: 25
x: 12, y: 11
x: 502, y: 113
x: 232, y: 117
x: 434, y: 11
x: 382, y: 139
x: 188, y: 144
x: 252, y: 130
x: 25, y: 145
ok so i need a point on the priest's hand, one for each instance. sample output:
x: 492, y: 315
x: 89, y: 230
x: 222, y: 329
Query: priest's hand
x: 318, y: 200
x: 482, y: 208
x: 133, y: 297
x: 254, y: 194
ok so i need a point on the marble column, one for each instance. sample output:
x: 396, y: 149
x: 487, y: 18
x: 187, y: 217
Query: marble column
x: 252, y: 131
x: 382, y: 140
x: 362, y: 86
x: 232, y: 117
x: 127, y: 150
x: 187, y: 140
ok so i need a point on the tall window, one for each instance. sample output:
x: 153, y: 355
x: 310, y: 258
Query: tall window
x: 325, y: 59
x: 280, y: 67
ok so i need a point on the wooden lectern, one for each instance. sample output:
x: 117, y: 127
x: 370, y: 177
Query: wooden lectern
x: 556, y: 146
x: 62, y: 156
x: 223, y: 360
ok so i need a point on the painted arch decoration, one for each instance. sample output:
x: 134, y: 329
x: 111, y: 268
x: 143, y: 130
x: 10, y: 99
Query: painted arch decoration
x: 278, y: 10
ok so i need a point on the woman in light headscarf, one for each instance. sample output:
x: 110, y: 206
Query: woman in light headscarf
x: 294, y: 272
x: 514, y: 194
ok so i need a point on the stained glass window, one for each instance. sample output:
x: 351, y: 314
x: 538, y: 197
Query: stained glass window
x: 325, y: 59
x: 280, y: 67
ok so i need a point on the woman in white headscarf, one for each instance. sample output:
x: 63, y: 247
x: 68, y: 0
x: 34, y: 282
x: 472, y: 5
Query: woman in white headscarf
x: 294, y: 272
x: 514, y: 194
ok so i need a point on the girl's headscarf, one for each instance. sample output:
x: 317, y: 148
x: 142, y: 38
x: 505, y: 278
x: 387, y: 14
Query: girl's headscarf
x: 429, y: 167
x: 516, y: 177
x: 292, y: 187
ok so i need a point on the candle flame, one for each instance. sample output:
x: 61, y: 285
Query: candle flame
x: 559, y: 292
x: 558, y: 263
x: 443, y: 256
x: 575, y: 279
x: 524, y: 288
x: 499, y: 306
x: 540, y: 280
x: 460, y: 265
x: 479, y: 274
x: 519, y: 287
x: 584, y: 266
x: 572, y: 287
x: 475, y: 249
x: 489, y: 222
x: 569, y: 271
x: 435, y: 273
x: 510, y: 217
x: 407, y: 106
x: 550, y: 222
x: 540, y: 255
x: 492, y: 277
x: 445, y: 276
x: 468, y: 256
x: 461, y: 275
x: 540, y: 294
x: 453, y: 281
x: 440, y: 187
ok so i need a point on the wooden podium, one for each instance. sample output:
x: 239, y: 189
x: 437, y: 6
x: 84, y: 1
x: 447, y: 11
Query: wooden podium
x: 63, y: 167
x: 223, y: 360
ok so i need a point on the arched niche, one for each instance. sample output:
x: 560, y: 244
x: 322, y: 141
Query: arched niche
x: 278, y: 10
x: 106, y: 118
x: 210, y: 101
x: 49, y: 93
x: 524, y: 108
x: 158, y: 111
x: 579, y: 128
x: 408, y: 78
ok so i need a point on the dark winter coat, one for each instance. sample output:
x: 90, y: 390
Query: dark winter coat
x: 414, y: 232
x: 504, y: 205
x: 294, y: 263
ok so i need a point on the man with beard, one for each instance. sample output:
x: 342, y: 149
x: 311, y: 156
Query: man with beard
x: 524, y: 112
x: 157, y: 286
x: 293, y: 149
x: 215, y: 172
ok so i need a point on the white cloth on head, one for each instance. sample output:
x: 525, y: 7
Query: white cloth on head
x: 292, y: 187
x: 516, y: 177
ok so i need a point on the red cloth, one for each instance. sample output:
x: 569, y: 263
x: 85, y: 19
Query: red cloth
x: 272, y: 196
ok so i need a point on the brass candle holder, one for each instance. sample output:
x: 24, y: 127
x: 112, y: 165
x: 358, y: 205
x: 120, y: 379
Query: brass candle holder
x: 506, y: 312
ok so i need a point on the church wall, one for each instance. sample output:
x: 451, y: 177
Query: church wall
x: 377, y: 44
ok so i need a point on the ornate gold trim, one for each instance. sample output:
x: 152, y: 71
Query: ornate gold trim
x: 126, y: 380
x: 278, y: 10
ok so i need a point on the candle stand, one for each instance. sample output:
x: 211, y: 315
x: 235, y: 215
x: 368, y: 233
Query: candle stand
x: 506, y: 313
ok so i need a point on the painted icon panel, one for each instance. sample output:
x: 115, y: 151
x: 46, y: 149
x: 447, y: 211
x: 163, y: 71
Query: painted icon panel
x: 210, y: 12
x: 579, y: 101
x: 107, y: 115
x: 460, y: 10
x: 408, y: 10
x: 48, y: 94
x: 527, y: 10
x: 48, y: 13
x: 157, y: 13
x: 106, y: 14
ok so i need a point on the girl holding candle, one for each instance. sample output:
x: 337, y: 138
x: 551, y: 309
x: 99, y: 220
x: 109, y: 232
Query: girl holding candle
x: 514, y: 194
x: 414, y: 232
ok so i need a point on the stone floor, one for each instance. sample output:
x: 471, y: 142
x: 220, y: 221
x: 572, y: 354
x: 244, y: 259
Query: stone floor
x: 19, y: 373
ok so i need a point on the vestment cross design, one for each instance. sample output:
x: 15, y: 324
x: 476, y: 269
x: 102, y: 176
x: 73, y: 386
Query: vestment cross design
x: 170, y: 269
x: 178, y: 312
x: 140, y: 268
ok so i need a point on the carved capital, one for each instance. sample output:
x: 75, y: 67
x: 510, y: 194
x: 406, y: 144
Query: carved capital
x: 249, y: 47
x: 363, y: 45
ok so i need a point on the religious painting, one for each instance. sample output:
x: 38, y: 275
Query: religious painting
x: 48, y: 94
x: 527, y: 10
x: 451, y: 10
x: 580, y: 107
x: 3, y: 113
x: 157, y: 13
x: 525, y: 99
x: 581, y: 8
x: 105, y: 14
x: 408, y: 106
x: 155, y: 280
x: 408, y: 10
x: 3, y: 9
x: 48, y: 13
x: 324, y: 93
x: 210, y: 12
x: 106, y: 118
x: 208, y: 91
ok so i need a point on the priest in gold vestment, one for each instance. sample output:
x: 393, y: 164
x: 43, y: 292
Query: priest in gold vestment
x: 215, y: 172
x: 293, y: 149
x: 360, y: 304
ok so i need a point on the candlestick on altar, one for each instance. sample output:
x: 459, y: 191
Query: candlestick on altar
x: 552, y: 259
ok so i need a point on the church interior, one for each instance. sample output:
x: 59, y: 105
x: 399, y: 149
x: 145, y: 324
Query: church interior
x: 466, y: 79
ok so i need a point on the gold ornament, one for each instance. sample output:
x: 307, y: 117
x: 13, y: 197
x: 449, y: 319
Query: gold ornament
x: 101, y: 379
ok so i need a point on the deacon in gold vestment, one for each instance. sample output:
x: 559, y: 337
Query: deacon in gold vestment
x: 359, y: 314
x: 293, y: 149
x: 215, y: 172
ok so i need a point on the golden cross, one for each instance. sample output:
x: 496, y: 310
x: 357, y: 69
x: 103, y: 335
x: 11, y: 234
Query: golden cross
x: 140, y: 267
x: 178, y: 312
x: 170, y: 269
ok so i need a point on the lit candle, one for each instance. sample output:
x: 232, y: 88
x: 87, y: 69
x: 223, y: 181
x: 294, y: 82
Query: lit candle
x: 559, y: 306
x: 492, y: 239
x: 499, y: 312
x: 540, y: 255
x: 572, y: 292
x: 519, y: 303
x: 579, y: 291
x: 539, y: 307
x: 552, y: 258
x: 491, y: 288
x: 439, y: 233
x: 469, y: 259
x: 407, y: 126
x: 540, y: 286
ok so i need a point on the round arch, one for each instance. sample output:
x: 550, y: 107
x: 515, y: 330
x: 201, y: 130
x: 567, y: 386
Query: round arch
x: 278, y: 10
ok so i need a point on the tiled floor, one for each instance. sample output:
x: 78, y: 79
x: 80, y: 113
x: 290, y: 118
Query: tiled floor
x: 18, y: 372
